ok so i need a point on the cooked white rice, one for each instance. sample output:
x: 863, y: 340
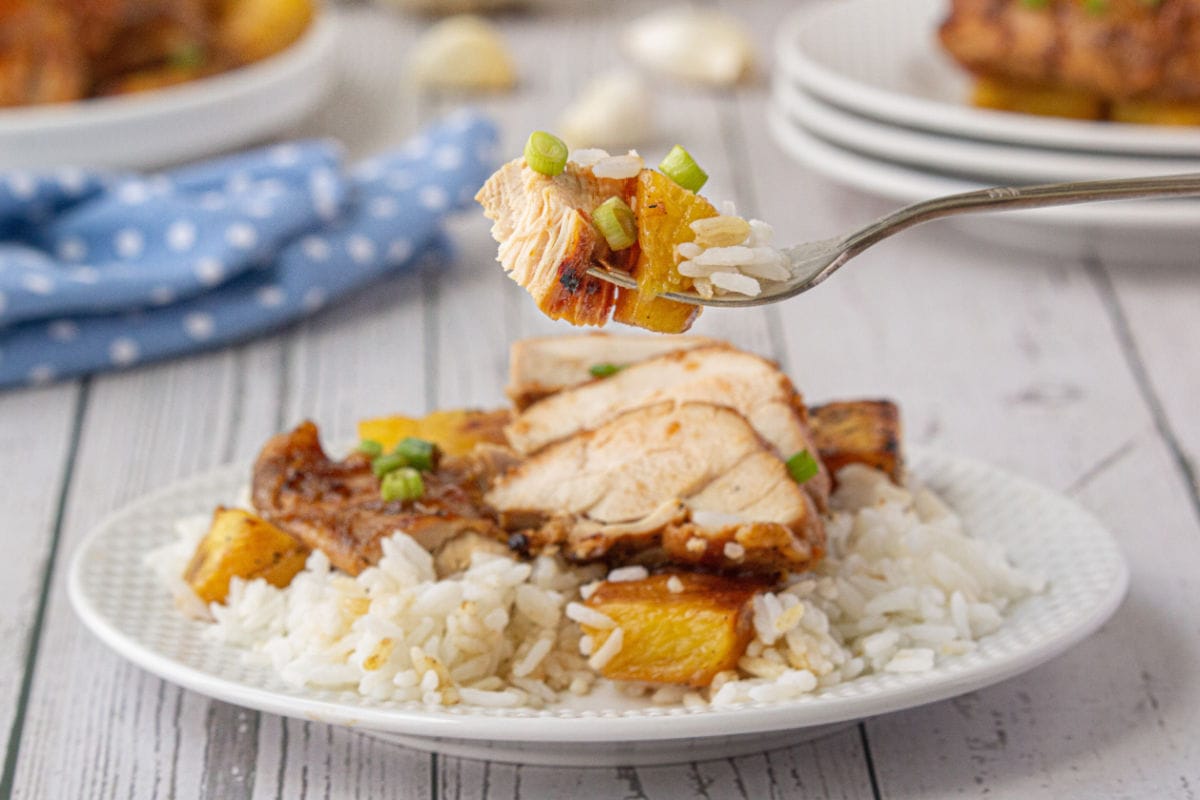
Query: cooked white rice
x: 902, y: 587
x: 732, y: 255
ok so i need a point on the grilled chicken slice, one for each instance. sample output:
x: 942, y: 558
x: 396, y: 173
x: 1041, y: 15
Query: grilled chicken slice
x: 547, y: 241
x: 1127, y: 49
x: 540, y: 367
x: 697, y: 470
x: 718, y: 374
x: 335, y: 506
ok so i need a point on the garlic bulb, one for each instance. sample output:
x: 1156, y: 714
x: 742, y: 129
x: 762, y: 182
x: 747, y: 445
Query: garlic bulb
x: 612, y: 111
x: 462, y: 52
x: 691, y: 43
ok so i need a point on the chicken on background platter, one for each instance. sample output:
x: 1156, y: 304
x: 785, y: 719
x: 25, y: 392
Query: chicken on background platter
x: 54, y: 51
x: 1124, y: 60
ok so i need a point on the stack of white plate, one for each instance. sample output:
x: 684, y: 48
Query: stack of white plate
x: 864, y: 95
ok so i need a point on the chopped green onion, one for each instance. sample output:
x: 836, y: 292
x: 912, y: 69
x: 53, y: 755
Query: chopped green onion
x: 189, y: 56
x: 545, y: 153
x: 390, y: 463
x: 1035, y: 3
x: 680, y: 167
x: 418, y: 453
x: 1096, y: 6
x: 370, y: 447
x: 403, y: 484
x: 604, y: 370
x: 615, y: 220
x: 802, y: 466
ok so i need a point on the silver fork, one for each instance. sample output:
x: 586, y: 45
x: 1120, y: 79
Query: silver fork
x: 813, y: 262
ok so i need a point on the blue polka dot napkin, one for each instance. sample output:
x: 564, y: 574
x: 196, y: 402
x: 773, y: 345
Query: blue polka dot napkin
x: 100, y: 271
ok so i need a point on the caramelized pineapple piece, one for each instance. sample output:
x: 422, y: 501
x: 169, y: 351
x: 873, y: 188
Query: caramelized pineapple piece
x: 254, y: 29
x: 150, y: 79
x: 456, y: 431
x: 1155, y: 112
x: 665, y: 212
x: 240, y: 544
x: 858, y: 432
x: 1041, y: 100
x: 683, y: 637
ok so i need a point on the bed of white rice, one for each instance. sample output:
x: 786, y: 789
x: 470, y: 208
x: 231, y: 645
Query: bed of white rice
x: 902, y: 587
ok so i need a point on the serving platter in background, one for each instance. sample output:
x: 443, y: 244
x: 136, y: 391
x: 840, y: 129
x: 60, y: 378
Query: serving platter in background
x: 176, y: 123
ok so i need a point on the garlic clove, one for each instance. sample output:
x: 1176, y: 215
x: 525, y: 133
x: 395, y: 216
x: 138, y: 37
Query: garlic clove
x: 696, y: 44
x: 464, y: 53
x: 613, y: 111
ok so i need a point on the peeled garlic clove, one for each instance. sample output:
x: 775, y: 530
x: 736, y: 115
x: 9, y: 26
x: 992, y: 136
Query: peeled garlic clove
x: 462, y: 52
x: 613, y: 111
x: 693, y: 44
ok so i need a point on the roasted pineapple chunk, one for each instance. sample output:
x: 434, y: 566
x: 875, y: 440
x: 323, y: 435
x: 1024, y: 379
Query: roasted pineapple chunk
x: 1155, y: 112
x: 858, y: 432
x: 686, y: 637
x: 665, y: 212
x: 240, y: 544
x: 1040, y: 100
x: 456, y: 432
x: 255, y: 29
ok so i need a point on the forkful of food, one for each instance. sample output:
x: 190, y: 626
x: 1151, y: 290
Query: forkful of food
x: 594, y: 236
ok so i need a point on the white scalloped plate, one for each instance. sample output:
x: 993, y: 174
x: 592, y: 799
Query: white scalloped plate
x: 882, y: 59
x: 122, y: 603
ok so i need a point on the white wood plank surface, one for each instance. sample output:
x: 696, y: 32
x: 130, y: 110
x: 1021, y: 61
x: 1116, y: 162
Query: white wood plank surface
x: 37, y: 436
x: 1077, y: 372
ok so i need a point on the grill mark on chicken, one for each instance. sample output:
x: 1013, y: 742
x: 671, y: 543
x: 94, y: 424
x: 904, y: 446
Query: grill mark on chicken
x: 547, y: 240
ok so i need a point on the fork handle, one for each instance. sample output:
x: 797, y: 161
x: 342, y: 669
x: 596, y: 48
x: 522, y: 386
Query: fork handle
x: 1009, y: 197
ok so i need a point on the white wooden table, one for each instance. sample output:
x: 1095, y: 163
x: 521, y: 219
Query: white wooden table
x: 1080, y: 373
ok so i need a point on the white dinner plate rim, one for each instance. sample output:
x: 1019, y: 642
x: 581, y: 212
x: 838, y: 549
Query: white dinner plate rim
x: 985, y: 160
x: 909, y: 185
x: 596, y: 727
x: 957, y: 119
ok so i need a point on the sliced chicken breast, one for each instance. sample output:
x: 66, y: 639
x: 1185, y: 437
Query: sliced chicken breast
x: 547, y: 241
x: 542, y: 366
x: 718, y: 374
x: 696, y: 468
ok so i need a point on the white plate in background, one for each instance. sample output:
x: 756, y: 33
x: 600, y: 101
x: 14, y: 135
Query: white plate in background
x: 1137, y: 231
x: 992, y: 161
x: 882, y: 59
x: 121, y: 601
x: 176, y: 123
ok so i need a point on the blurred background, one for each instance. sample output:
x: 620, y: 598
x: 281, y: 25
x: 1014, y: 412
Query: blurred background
x: 258, y: 197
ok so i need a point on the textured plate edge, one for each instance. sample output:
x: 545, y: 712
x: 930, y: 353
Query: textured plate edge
x: 938, y: 152
x: 598, y: 729
x: 907, y: 184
